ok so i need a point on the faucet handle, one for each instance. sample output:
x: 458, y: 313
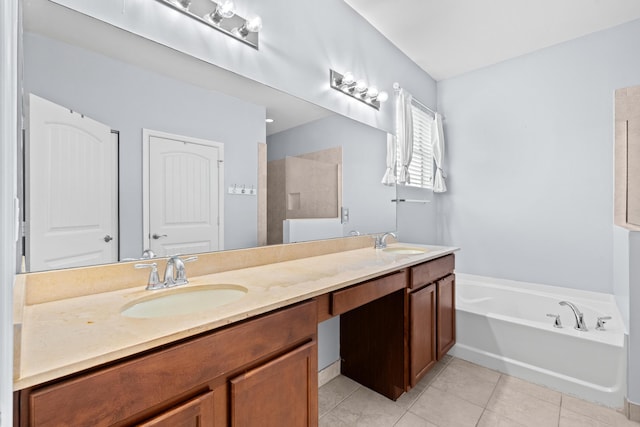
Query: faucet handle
x: 601, y: 321
x: 556, y: 323
x: 154, y: 279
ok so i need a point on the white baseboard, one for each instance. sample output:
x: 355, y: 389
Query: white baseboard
x: 632, y: 411
x: 328, y: 373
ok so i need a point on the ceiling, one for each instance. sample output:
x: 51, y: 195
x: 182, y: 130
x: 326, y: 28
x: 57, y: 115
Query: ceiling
x: 447, y: 38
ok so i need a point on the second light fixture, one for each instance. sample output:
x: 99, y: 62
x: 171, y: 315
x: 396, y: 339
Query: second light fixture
x: 358, y: 89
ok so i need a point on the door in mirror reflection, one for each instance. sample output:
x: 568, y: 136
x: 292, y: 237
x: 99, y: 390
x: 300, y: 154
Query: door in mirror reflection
x: 72, y: 214
x: 185, y: 188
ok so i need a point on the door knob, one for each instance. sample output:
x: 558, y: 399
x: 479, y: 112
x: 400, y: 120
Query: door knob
x: 108, y: 238
x: 158, y: 236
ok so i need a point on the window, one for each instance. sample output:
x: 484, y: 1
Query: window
x: 421, y: 166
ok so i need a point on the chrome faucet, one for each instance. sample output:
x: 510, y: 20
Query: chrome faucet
x: 175, y: 273
x: 580, y: 325
x: 381, y: 240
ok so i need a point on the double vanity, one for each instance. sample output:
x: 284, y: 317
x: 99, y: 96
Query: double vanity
x: 92, y: 346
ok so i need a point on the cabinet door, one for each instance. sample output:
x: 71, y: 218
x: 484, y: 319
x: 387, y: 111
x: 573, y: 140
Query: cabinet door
x: 280, y: 393
x: 446, y: 315
x: 197, y: 412
x: 422, y: 338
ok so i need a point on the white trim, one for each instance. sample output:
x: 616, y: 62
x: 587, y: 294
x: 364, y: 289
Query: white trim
x: 330, y: 372
x: 8, y: 147
x: 146, y: 135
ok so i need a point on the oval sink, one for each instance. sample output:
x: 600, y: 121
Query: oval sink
x: 182, y: 301
x: 403, y: 250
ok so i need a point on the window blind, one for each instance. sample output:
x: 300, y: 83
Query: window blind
x: 421, y: 166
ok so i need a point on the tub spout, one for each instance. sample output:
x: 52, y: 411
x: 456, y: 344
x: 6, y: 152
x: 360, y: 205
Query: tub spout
x: 580, y: 325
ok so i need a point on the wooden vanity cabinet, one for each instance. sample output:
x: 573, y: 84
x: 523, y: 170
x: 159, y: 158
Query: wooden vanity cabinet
x: 422, y: 332
x: 197, y: 412
x: 431, y: 315
x: 446, y: 313
x: 372, y: 333
x: 261, y: 372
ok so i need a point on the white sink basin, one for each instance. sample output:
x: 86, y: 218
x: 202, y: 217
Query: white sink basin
x: 404, y: 250
x: 180, y: 301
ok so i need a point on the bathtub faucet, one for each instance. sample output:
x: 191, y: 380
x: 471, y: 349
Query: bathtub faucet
x: 580, y: 325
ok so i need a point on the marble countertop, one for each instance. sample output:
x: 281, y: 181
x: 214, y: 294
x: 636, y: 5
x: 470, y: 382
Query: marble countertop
x: 62, y: 337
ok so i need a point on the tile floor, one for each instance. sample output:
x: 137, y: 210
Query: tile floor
x: 461, y: 394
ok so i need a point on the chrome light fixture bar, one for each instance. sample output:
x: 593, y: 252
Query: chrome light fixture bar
x: 358, y: 89
x: 220, y: 16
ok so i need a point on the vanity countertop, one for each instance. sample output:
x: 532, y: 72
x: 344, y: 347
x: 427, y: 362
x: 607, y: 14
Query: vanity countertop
x: 62, y: 337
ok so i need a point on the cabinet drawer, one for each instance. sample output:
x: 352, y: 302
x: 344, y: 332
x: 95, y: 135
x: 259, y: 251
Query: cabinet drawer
x: 355, y: 296
x: 431, y: 271
x: 116, y: 393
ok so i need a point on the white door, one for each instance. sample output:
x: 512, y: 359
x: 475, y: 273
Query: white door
x: 184, y: 194
x: 72, y: 185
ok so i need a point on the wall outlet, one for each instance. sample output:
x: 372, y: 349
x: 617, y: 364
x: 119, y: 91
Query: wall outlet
x: 344, y: 215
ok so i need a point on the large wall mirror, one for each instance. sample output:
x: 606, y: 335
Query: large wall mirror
x: 179, y: 144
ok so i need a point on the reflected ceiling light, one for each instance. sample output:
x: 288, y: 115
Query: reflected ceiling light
x: 346, y: 83
x: 222, y: 17
x: 268, y: 120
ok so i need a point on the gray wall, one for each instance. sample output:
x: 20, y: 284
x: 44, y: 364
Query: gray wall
x: 530, y: 162
x: 530, y: 157
x: 363, y: 163
x: 128, y: 99
x: 299, y: 42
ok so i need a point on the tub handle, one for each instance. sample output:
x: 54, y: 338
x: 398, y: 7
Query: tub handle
x: 556, y: 323
x: 601, y: 322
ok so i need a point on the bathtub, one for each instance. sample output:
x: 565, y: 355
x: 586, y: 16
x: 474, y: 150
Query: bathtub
x: 503, y: 325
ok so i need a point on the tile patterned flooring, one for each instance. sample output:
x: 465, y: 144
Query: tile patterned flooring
x: 461, y: 394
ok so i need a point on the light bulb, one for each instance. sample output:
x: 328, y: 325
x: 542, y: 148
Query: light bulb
x: 372, y: 92
x: 361, y: 86
x: 347, y: 78
x: 254, y: 24
x: 226, y: 9
x: 251, y: 25
x: 382, y: 97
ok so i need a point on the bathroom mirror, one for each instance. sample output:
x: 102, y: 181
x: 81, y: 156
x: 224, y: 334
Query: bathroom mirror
x: 82, y: 65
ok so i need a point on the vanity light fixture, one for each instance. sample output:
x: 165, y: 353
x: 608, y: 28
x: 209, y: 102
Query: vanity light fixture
x: 220, y: 15
x: 184, y: 4
x: 358, y: 89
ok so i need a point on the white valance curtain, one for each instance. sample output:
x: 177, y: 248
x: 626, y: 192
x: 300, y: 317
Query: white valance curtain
x: 404, y: 134
x: 437, y: 143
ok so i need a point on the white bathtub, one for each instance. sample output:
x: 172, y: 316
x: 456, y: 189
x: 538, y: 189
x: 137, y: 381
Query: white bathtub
x: 502, y: 324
